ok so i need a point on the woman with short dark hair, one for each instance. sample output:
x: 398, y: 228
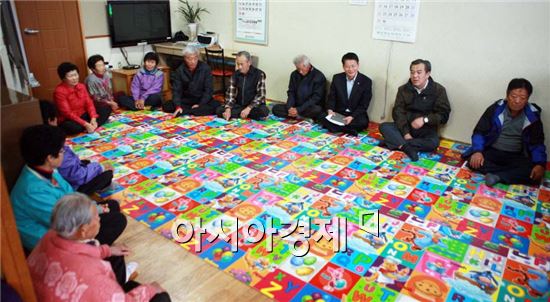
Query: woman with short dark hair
x: 83, y: 175
x: 76, y: 110
x: 67, y: 264
x: 40, y: 186
x: 99, y: 83
x: 146, y: 86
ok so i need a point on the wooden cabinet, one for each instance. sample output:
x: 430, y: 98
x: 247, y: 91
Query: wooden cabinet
x: 18, y: 112
x: 24, y: 112
x: 122, y: 81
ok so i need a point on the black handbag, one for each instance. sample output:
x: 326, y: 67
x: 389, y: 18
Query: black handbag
x: 180, y: 36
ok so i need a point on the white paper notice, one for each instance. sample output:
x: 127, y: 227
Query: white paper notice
x: 251, y: 21
x: 358, y: 2
x: 395, y: 20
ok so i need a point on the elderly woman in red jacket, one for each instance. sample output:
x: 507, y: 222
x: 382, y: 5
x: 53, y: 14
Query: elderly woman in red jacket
x: 76, y: 110
x: 68, y: 264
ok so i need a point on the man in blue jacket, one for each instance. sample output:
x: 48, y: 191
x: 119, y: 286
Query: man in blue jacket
x: 508, y: 141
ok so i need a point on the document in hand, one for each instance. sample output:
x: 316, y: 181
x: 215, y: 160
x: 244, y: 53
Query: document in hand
x: 336, y: 118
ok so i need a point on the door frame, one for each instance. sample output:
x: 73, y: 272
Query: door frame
x: 24, y: 51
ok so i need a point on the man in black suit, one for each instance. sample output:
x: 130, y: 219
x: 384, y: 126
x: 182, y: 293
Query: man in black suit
x: 350, y: 94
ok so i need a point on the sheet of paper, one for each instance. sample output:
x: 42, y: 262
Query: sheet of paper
x: 358, y: 2
x: 251, y: 21
x: 395, y: 20
x: 336, y: 119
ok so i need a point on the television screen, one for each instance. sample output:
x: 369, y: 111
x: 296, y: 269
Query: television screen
x: 134, y: 22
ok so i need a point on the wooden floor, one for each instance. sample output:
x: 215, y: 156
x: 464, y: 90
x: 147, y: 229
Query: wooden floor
x: 185, y: 276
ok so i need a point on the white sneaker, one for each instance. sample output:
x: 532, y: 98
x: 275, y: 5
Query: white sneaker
x: 131, y: 268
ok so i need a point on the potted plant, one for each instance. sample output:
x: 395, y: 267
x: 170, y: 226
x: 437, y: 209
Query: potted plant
x: 192, y: 15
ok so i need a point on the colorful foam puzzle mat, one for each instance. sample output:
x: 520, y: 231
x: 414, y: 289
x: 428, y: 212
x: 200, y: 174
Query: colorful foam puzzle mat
x: 440, y: 233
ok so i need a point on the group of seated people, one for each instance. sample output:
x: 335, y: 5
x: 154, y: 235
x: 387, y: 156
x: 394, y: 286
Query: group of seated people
x: 85, y: 107
x: 67, y: 230
x: 421, y: 106
x: 68, y: 235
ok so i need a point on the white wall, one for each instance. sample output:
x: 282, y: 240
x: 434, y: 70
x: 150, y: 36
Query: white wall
x: 96, y: 31
x: 475, y: 49
x: 96, y: 35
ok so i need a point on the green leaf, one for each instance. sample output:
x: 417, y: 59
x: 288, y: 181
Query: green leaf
x: 190, y: 13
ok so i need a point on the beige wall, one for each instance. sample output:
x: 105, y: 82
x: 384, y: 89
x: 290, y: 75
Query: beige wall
x: 94, y: 17
x: 475, y: 49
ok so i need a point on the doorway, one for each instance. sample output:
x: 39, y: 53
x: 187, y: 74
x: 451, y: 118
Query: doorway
x: 52, y: 34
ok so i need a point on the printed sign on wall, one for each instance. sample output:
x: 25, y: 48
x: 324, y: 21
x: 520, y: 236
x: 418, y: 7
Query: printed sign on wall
x: 251, y: 21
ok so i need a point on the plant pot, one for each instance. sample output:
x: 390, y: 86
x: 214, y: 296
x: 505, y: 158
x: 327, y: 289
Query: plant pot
x: 192, y: 31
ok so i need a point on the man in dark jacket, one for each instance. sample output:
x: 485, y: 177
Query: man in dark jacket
x: 421, y: 106
x: 306, y: 91
x: 508, y: 140
x: 350, y: 94
x: 246, y: 94
x: 192, y: 87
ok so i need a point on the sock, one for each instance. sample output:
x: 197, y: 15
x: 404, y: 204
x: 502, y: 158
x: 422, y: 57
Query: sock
x: 491, y: 179
x: 131, y: 268
x: 410, y: 151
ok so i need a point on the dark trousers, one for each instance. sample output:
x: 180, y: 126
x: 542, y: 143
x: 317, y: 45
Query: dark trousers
x: 162, y: 297
x: 119, y: 268
x: 99, y: 182
x: 257, y: 113
x: 204, y: 109
x: 358, y: 124
x: 425, y: 141
x: 128, y: 102
x: 512, y: 168
x: 113, y: 223
x: 312, y: 111
x: 72, y: 127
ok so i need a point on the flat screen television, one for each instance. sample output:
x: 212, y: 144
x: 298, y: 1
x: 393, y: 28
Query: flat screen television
x: 135, y: 22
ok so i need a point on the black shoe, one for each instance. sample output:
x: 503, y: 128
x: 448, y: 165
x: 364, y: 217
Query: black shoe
x: 410, y: 151
x: 382, y: 144
x: 351, y: 132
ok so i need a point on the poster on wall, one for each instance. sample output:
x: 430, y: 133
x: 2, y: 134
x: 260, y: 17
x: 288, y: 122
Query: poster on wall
x: 251, y: 21
x: 358, y: 2
x: 395, y: 20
